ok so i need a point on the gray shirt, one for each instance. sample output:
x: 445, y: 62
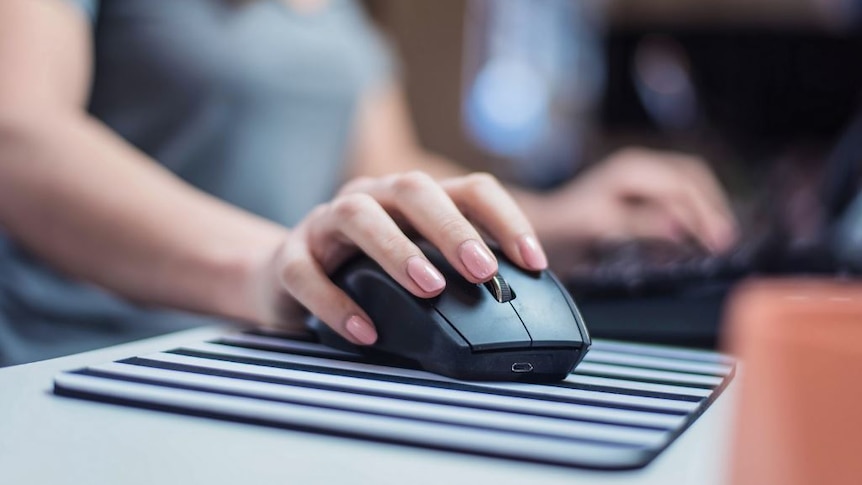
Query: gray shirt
x: 248, y: 100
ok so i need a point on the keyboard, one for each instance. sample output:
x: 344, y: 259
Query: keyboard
x: 650, y: 268
x: 640, y: 268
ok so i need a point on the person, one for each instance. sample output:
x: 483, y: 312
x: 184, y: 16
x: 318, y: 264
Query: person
x: 163, y: 159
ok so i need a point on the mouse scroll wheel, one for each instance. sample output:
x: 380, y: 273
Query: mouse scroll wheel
x: 500, y: 289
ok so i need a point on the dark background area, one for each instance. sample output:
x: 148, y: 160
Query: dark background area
x: 762, y: 88
x: 769, y: 72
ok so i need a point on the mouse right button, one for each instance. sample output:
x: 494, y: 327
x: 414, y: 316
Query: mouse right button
x: 546, y: 313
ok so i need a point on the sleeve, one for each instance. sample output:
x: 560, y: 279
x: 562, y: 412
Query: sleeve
x: 89, y: 7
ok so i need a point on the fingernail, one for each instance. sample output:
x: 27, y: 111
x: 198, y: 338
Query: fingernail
x: 425, y: 275
x: 531, y: 252
x: 478, y: 260
x: 361, y: 330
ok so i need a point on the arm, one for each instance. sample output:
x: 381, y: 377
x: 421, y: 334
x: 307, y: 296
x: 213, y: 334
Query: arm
x: 634, y: 193
x: 85, y: 200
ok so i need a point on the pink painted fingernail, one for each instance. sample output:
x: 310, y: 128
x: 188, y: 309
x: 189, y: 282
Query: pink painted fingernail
x: 425, y: 275
x: 478, y: 260
x: 532, y: 253
x: 361, y: 329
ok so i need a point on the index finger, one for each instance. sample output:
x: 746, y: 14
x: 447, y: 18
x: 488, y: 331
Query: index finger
x: 707, y: 183
x: 487, y: 203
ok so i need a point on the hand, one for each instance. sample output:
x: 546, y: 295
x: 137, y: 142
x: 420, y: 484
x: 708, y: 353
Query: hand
x: 638, y: 194
x: 375, y: 215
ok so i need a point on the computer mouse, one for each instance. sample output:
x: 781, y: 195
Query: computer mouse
x: 520, y: 326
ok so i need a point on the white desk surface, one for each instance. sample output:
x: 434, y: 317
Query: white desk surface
x: 46, y: 439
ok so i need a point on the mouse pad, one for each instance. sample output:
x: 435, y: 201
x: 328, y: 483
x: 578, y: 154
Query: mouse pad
x: 621, y: 407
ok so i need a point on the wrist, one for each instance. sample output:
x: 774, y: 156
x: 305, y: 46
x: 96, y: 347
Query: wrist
x: 250, y: 279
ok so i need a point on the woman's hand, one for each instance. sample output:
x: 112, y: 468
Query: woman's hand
x: 637, y: 194
x: 375, y: 215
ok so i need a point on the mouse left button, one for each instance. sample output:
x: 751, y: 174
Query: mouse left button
x: 485, y: 323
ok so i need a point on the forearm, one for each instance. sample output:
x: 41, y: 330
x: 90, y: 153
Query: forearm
x: 80, y: 197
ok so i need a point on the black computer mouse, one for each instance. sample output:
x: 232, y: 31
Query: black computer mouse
x: 520, y: 326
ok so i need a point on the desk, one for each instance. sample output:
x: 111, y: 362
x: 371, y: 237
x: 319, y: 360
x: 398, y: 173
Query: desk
x: 51, y: 440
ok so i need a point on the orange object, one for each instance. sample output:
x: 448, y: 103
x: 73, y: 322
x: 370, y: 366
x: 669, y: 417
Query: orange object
x: 800, y: 408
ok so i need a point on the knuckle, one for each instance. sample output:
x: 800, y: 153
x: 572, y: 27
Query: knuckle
x: 634, y: 159
x: 480, y: 182
x: 392, y: 244
x: 483, y: 178
x: 390, y: 179
x: 412, y: 181
x: 292, y: 269
x: 454, y: 226
x: 351, y: 206
x: 340, y: 304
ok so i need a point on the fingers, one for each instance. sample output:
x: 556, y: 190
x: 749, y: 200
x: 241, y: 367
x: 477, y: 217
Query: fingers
x: 445, y: 213
x: 669, y: 218
x: 706, y: 191
x: 705, y: 182
x: 358, y: 219
x: 309, y: 285
x: 429, y: 209
x: 687, y: 190
x: 484, y: 201
x: 423, y: 203
x: 680, y: 213
x: 363, y: 216
x: 716, y: 229
x: 698, y: 191
x: 689, y: 215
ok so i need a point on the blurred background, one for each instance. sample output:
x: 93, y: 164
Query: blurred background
x: 764, y: 71
x: 767, y: 91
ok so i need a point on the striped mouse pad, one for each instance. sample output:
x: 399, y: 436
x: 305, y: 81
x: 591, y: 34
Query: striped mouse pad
x: 619, y: 409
